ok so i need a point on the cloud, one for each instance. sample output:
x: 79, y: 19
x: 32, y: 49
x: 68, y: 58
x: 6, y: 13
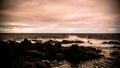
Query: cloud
x: 60, y: 13
x: 58, y: 30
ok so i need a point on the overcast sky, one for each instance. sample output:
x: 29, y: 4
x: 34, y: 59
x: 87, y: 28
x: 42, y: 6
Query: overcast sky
x: 60, y: 16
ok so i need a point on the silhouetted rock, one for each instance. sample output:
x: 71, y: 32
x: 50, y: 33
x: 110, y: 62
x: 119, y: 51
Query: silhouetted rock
x: 68, y: 41
x: 16, y: 53
x: 42, y: 65
x: 89, y: 42
x: 112, y: 42
x: 75, y: 54
x: 26, y: 43
x: 116, y: 61
x: 58, y: 44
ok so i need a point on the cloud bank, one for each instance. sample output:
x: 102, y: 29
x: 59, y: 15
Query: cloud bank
x: 60, y: 16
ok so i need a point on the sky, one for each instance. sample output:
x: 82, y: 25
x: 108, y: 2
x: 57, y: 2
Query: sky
x: 60, y: 16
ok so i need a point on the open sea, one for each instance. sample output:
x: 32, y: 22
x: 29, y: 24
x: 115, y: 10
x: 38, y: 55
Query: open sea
x: 16, y: 36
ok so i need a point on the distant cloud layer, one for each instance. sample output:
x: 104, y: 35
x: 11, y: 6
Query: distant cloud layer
x: 78, y: 16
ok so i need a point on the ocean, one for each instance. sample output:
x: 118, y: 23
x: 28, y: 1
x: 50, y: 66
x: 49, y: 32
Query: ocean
x: 16, y: 36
